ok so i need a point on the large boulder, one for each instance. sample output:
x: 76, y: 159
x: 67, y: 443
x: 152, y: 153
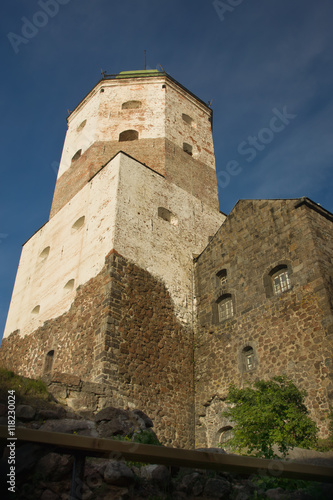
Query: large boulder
x: 55, y: 466
x: 70, y: 426
x: 118, y: 474
x: 157, y: 473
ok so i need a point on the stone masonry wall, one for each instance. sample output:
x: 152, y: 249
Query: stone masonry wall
x: 120, y: 332
x: 290, y: 333
x: 148, y: 353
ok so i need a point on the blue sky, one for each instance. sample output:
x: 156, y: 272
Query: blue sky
x: 255, y: 59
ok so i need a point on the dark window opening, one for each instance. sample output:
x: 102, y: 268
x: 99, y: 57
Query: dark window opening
x: 77, y: 155
x: 187, y: 119
x: 129, y: 135
x: 222, y: 277
x: 248, y: 358
x: 48, y: 362
x: 167, y: 215
x: 131, y: 105
x: 188, y: 148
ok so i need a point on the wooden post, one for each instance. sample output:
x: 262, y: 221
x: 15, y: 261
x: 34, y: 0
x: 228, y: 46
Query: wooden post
x: 77, y: 477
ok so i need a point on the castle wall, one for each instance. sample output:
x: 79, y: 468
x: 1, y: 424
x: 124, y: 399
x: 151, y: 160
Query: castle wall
x: 75, y: 253
x: 290, y: 333
x: 121, y: 330
x: 120, y: 205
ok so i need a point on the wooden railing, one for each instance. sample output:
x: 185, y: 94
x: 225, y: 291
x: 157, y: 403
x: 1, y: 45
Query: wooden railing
x: 82, y: 446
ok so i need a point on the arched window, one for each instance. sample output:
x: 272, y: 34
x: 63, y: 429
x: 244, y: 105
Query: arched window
x: 225, y: 434
x: 225, y: 307
x: 280, y: 279
x: 131, y: 105
x: 128, y: 135
x: 36, y: 310
x: 44, y: 254
x: 187, y: 119
x: 69, y: 285
x: 248, y: 359
x: 48, y: 362
x: 77, y: 155
x: 78, y: 224
x: 221, y: 277
x: 81, y: 126
x: 167, y: 215
x: 188, y: 148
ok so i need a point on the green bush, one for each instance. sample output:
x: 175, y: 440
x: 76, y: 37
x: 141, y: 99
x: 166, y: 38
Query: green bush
x: 269, y: 413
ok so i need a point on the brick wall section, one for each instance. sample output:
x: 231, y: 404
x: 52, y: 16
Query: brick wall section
x: 159, y: 154
x: 147, y: 151
x: 120, y: 331
x: 291, y: 333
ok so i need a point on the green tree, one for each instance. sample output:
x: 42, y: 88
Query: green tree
x: 269, y: 413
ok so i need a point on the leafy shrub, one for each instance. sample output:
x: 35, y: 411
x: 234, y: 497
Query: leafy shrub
x: 270, y: 413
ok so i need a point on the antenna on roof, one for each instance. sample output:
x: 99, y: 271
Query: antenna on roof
x: 145, y: 61
x: 103, y: 73
x: 160, y: 65
x: 210, y: 102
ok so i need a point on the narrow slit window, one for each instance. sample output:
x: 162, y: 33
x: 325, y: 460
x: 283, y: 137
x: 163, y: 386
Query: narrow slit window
x: 49, y: 362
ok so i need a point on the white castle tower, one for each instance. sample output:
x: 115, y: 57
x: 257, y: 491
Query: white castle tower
x: 135, y: 199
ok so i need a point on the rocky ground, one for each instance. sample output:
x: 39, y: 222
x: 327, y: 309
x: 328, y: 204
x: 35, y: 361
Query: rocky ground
x: 44, y: 474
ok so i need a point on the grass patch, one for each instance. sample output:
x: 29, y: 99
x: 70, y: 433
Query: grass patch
x: 25, y: 388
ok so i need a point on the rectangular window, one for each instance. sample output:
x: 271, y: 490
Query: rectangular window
x: 281, y: 282
x: 226, y: 309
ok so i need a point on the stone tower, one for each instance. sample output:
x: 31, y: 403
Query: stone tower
x: 104, y: 290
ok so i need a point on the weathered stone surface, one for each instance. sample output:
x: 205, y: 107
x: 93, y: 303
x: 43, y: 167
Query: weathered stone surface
x: 55, y: 466
x: 276, y: 494
x: 147, y: 422
x: 191, y: 482
x: 117, y: 473
x: 57, y: 413
x: 26, y: 457
x: 217, y: 488
x: 25, y: 412
x: 157, y: 473
x: 111, y: 413
x: 49, y: 495
x: 69, y: 426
